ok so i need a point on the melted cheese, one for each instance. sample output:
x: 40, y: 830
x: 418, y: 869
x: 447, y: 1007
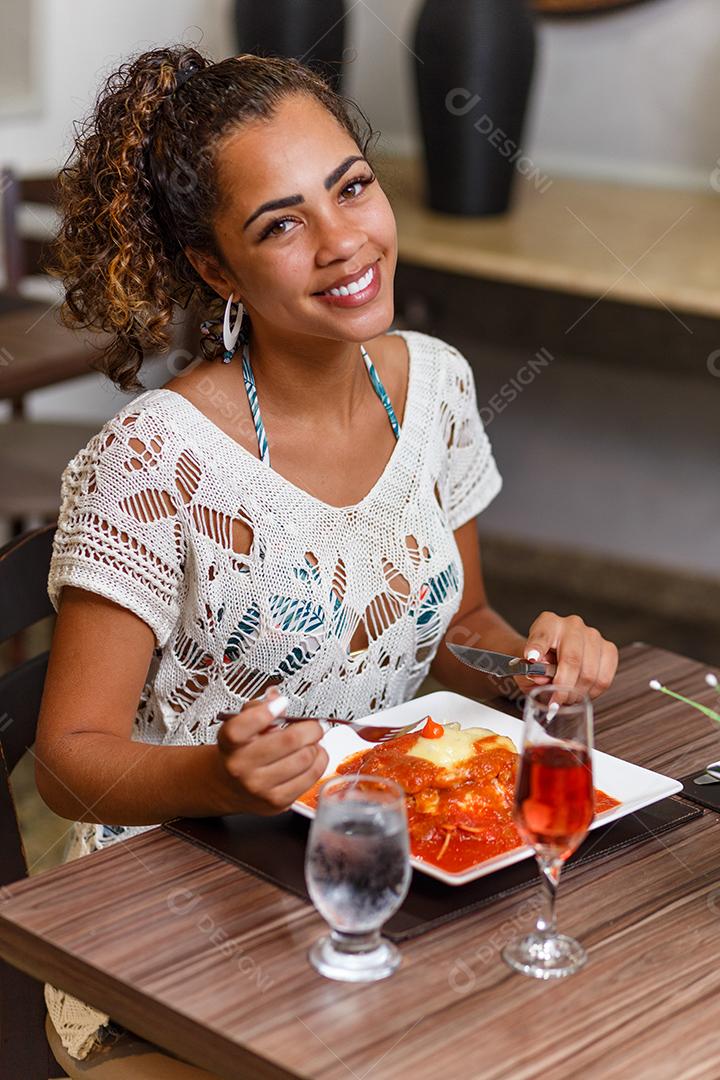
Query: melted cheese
x: 457, y: 745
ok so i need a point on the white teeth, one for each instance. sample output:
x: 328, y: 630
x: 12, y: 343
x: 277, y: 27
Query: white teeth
x: 354, y: 286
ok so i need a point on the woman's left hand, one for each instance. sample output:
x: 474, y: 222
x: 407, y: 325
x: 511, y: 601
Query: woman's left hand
x: 586, y: 661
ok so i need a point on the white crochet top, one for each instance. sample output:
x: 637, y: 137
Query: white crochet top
x: 149, y: 515
x: 149, y: 518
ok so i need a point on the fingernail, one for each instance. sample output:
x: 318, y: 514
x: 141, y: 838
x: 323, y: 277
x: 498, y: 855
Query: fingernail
x: 278, y: 705
x: 533, y: 654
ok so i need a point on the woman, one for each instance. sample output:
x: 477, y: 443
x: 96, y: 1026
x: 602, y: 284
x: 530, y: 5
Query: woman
x: 327, y: 581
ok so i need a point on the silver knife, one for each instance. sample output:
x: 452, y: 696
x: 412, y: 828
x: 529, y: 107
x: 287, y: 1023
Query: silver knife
x: 710, y: 776
x: 500, y: 664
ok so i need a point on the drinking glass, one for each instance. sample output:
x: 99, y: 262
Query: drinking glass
x: 553, y: 810
x: 357, y: 871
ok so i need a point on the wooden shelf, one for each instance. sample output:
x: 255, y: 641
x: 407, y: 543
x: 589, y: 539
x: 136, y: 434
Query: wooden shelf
x: 576, y: 236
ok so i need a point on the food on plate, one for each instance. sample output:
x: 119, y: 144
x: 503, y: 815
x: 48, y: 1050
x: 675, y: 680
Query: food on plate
x: 432, y: 730
x: 459, y: 785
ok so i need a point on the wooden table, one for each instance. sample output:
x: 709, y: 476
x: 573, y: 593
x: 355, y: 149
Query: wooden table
x: 36, y: 350
x: 205, y: 959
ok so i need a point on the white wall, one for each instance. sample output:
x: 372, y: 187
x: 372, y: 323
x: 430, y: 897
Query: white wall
x: 81, y: 42
x: 631, y: 95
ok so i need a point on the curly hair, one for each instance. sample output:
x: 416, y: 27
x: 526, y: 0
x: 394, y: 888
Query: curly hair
x: 140, y: 185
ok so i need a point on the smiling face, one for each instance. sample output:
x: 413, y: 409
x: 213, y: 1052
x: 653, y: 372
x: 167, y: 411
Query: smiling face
x: 335, y: 223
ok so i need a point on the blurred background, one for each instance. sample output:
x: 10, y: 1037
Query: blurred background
x: 554, y: 167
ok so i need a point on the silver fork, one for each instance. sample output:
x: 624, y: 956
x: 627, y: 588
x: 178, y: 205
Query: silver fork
x: 367, y: 730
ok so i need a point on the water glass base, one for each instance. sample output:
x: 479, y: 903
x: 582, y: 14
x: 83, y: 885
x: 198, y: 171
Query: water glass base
x: 545, y: 956
x: 333, y: 963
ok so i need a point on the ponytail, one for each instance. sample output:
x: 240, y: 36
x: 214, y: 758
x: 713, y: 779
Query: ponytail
x: 140, y: 186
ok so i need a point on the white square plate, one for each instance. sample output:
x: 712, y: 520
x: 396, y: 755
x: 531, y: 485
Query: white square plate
x: 634, y: 786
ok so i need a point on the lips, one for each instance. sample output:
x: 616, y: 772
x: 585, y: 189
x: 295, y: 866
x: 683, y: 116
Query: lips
x: 347, y: 279
x: 356, y: 299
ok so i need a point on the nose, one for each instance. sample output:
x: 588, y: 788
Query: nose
x: 339, y: 239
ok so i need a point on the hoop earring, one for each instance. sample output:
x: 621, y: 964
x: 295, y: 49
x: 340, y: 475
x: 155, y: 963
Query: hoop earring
x: 230, y: 336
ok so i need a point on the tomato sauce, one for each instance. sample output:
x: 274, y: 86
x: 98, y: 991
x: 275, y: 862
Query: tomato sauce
x: 455, y: 819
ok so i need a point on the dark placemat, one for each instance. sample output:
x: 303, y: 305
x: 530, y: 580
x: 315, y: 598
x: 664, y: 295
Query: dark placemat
x: 274, y: 849
x: 702, y: 794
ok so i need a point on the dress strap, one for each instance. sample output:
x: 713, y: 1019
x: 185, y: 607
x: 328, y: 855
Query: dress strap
x: 381, y: 392
x: 255, y: 406
x: 251, y: 389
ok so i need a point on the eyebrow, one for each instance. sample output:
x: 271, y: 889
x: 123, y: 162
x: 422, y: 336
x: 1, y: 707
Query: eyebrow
x: 293, y: 200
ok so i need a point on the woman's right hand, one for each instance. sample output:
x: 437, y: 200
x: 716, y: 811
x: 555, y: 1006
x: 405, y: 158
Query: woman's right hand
x: 264, y: 768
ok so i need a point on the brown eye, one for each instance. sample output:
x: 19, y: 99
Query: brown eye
x: 268, y: 231
x: 274, y: 224
x: 362, y: 180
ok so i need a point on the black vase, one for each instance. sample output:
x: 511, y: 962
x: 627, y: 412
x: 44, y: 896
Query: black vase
x: 312, y: 31
x: 473, y: 71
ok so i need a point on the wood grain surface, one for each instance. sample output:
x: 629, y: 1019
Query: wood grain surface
x: 37, y: 350
x: 199, y: 956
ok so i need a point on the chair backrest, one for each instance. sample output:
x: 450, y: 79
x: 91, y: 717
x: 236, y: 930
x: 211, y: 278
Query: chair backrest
x: 24, y: 565
x: 22, y: 254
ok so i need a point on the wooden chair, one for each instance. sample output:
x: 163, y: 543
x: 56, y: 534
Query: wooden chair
x: 23, y: 602
x: 23, y: 255
x: 25, y: 1052
x: 33, y: 453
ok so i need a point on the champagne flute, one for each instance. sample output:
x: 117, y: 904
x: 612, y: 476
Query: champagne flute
x: 357, y: 869
x: 553, y: 810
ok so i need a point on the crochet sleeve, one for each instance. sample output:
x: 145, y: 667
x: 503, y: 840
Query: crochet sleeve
x: 473, y: 479
x: 120, y: 531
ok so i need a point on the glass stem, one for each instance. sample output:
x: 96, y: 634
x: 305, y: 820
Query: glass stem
x: 355, y: 943
x: 550, y: 875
